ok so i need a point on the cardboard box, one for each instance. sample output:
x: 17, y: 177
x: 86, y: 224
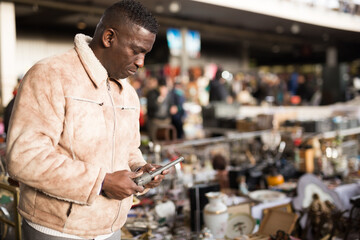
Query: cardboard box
x: 240, y: 208
x: 245, y: 125
x: 273, y: 221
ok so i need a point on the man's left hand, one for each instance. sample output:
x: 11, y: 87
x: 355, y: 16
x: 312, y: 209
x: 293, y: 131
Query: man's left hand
x: 158, y: 179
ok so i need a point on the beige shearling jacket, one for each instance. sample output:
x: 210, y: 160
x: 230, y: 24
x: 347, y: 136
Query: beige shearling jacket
x: 70, y: 126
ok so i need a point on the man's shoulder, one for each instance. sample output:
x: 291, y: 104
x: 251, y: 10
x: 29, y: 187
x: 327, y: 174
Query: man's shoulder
x: 53, y: 67
x: 57, y: 64
x: 64, y: 57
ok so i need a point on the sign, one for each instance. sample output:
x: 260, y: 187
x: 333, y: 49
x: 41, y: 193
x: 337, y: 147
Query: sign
x: 175, y: 43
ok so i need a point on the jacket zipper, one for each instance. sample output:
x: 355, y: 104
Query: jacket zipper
x: 113, y: 136
x: 85, y: 100
x: 113, y: 144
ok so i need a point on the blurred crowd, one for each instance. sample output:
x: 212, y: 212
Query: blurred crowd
x: 164, y: 92
x: 247, y: 88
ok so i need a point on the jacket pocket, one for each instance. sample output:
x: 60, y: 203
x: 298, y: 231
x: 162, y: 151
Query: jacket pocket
x: 49, y: 209
x: 87, y: 128
x: 93, y: 218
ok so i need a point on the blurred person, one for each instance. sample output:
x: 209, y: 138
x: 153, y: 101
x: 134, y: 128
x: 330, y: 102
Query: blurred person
x: 303, y: 90
x: 282, y: 89
x: 260, y: 91
x: 237, y: 85
x: 178, y: 100
x: 273, y: 88
x: 244, y: 97
x: 159, y: 108
x: 356, y: 81
x: 74, y: 137
x: 222, y: 174
x: 195, y: 86
x: 192, y: 89
x: 218, y: 91
x: 202, y: 85
x: 150, y: 84
x: 137, y: 85
x: 9, y: 107
x: 293, y: 82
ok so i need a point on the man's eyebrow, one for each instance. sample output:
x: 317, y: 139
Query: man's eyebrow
x: 139, y: 48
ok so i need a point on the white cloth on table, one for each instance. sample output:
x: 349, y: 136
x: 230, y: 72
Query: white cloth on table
x: 257, y: 210
x: 346, y: 192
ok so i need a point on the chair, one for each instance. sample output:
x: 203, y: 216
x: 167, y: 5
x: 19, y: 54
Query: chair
x: 309, y: 185
x: 165, y: 132
x: 354, y: 219
x: 5, y: 218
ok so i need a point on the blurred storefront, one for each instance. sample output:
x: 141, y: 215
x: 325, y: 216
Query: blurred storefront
x: 239, y: 36
x: 290, y: 71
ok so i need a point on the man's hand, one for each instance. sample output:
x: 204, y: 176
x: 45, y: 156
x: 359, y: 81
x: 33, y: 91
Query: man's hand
x: 120, y: 184
x: 158, y: 179
x: 173, y: 110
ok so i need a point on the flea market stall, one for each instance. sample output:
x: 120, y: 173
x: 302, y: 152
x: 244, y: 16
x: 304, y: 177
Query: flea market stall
x: 285, y: 172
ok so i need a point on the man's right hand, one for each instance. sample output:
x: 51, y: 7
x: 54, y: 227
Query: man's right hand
x: 119, y: 185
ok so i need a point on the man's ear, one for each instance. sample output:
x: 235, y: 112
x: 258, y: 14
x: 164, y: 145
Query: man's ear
x: 108, y: 37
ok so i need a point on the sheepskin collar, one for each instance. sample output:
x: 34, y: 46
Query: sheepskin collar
x: 92, y: 65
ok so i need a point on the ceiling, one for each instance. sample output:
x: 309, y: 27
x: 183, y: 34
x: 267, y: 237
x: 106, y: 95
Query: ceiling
x: 269, y: 39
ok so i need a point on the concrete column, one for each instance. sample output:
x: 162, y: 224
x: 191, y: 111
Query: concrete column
x: 245, y: 56
x: 331, y: 57
x: 333, y: 89
x: 8, y: 77
x: 184, y: 56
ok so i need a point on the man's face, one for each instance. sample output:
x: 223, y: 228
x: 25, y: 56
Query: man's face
x: 128, y: 50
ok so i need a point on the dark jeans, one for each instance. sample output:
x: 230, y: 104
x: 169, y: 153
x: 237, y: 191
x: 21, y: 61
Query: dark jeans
x: 29, y: 233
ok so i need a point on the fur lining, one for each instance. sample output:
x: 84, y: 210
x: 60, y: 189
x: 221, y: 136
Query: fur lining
x: 92, y: 65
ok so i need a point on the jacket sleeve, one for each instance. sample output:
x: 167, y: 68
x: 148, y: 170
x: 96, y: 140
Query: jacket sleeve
x: 33, y: 156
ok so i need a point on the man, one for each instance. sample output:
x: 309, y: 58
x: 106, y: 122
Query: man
x: 217, y: 88
x: 74, y: 137
x: 159, y: 108
x: 178, y: 99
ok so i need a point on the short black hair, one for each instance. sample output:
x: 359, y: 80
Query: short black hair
x: 161, y: 81
x: 130, y: 11
x: 219, y: 162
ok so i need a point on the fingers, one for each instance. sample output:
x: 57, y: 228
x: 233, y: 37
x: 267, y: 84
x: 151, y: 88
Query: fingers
x: 135, y: 187
x: 136, y: 174
x: 120, y: 184
x: 138, y: 189
x: 159, y: 178
x: 167, y: 171
x: 149, y: 167
x: 156, y: 181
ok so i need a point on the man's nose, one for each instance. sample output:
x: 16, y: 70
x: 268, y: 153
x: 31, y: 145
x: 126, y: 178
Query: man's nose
x: 140, y: 61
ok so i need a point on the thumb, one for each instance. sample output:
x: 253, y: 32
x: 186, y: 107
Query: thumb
x: 136, y: 174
